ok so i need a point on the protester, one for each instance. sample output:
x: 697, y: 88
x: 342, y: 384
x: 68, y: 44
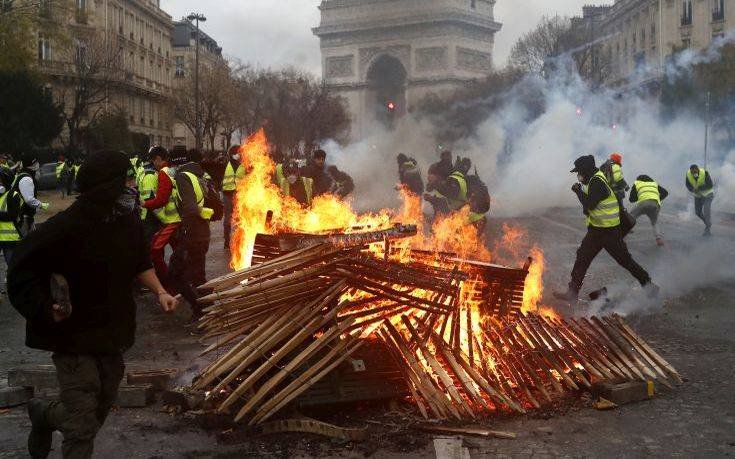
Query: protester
x: 25, y: 184
x: 97, y: 245
x: 10, y: 204
x: 165, y: 207
x: 293, y: 184
x: 316, y: 170
x: 700, y: 185
x: 343, y: 185
x: 648, y: 195
x: 188, y: 261
x: 234, y: 171
x: 147, y: 188
x: 409, y: 174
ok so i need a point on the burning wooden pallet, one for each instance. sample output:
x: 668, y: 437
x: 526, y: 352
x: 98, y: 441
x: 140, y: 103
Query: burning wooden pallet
x: 452, y: 326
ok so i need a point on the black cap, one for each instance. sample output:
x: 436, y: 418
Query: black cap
x: 584, y: 164
x: 103, y: 167
x: 693, y: 167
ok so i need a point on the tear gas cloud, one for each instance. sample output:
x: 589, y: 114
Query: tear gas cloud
x: 526, y: 162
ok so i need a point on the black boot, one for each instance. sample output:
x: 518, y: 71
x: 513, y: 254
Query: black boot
x: 39, y: 440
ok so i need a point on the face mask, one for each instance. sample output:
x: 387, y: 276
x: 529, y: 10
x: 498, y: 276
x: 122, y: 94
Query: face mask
x: 128, y: 200
x: 236, y: 157
x: 292, y: 179
x: 580, y: 178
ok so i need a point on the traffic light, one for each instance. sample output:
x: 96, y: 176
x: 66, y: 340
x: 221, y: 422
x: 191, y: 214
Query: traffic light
x: 390, y: 105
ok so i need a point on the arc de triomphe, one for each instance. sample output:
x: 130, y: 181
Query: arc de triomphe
x: 383, y: 56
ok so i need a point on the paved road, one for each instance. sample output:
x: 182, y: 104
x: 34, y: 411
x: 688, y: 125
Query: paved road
x: 692, y: 327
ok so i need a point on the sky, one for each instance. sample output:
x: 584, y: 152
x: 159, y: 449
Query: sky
x: 277, y: 33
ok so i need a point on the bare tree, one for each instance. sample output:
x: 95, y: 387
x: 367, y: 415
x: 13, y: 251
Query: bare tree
x: 554, y: 38
x: 92, y: 69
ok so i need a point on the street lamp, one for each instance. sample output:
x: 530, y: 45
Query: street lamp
x: 196, y: 18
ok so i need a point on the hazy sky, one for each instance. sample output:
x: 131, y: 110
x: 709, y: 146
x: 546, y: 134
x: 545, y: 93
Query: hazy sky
x: 274, y: 33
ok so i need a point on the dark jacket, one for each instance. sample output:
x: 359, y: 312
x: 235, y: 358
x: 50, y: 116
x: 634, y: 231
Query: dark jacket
x: 409, y: 175
x: 322, y: 180
x: 343, y: 184
x: 99, y: 260
x: 663, y: 192
x: 194, y: 226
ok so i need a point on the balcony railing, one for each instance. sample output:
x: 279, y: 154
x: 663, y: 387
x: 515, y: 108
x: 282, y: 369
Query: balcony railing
x: 686, y: 21
x: 718, y: 15
x: 81, y: 17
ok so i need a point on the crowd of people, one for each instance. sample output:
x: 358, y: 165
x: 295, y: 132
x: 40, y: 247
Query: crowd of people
x: 131, y: 209
x: 602, y: 192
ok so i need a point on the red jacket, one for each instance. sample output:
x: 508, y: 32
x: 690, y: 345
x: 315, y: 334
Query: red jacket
x: 163, y: 194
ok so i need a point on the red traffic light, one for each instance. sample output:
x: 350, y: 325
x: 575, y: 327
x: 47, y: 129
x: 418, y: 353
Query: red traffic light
x: 391, y: 105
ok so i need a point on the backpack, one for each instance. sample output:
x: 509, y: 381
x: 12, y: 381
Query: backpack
x: 478, y: 194
x: 212, y: 199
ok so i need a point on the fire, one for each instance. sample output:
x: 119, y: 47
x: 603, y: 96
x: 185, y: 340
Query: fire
x: 258, y: 195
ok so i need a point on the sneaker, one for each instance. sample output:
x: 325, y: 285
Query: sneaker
x: 39, y: 440
x: 660, y: 241
x: 707, y: 232
x: 569, y: 295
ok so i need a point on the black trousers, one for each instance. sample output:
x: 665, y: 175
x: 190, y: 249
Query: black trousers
x: 188, y: 265
x: 610, y: 239
x: 703, y: 209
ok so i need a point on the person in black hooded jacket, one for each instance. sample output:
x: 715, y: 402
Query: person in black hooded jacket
x: 98, y: 246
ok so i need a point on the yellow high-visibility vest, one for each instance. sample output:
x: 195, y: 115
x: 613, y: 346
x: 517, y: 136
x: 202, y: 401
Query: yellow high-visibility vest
x: 204, y: 212
x: 308, y: 187
x: 147, y: 189
x: 475, y: 217
x: 456, y: 204
x: 617, y: 173
x: 647, y: 191
x: 607, y: 212
x: 698, y: 183
x: 229, y: 181
x: 59, y: 169
x: 8, y: 231
x: 169, y: 214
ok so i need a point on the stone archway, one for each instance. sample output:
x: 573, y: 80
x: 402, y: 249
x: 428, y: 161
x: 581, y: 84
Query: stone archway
x: 386, y: 89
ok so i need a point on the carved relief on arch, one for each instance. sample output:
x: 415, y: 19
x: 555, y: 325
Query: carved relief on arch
x: 370, y: 55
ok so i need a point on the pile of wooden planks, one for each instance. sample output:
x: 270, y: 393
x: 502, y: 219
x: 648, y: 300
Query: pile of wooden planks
x: 453, y: 327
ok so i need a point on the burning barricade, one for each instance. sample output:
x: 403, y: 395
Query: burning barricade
x: 465, y: 335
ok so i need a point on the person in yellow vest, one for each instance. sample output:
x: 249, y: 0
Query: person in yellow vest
x: 147, y: 187
x: 234, y: 171
x: 432, y: 195
x: 10, y: 203
x: 601, y: 207
x: 700, y: 184
x: 454, y: 188
x: 163, y: 205
x: 188, y: 262
x: 293, y: 184
x: 61, y: 173
x: 648, y: 195
x: 615, y: 176
x: 4, y: 162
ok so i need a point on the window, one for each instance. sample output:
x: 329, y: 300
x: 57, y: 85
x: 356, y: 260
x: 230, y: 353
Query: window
x: 44, y: 48
x: 653, y: 34
x: 81, y: 55
x: 718, y: 10
x: 686, y: 13
x: 44, y: 9
x: 81, y: 11
x: 180, y: 71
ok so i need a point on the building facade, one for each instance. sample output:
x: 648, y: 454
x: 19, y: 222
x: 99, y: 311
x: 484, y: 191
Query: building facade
x: 184, y: 61
x: 125, y: 42
x: 384, y: 56
x: 640, y: 35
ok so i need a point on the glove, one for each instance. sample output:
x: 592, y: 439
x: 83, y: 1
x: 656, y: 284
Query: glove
x: 45, y: 206
x: 577, y: 187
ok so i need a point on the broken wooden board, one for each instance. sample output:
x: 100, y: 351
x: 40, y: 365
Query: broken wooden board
x: 476, y: 431
x: 308, y: 425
